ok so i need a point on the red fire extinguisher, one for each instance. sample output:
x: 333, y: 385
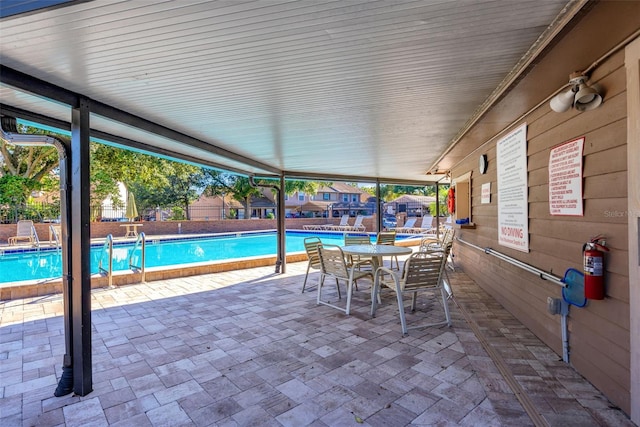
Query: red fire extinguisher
x: 594, y: 268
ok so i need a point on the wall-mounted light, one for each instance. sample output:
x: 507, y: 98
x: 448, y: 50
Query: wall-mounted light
x: 581, y: 96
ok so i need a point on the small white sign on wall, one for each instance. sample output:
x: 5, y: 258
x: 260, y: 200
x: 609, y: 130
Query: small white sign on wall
x: 485, y: 195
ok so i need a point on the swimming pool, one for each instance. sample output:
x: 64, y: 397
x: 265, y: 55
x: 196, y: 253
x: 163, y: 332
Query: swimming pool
x: 46, y: 263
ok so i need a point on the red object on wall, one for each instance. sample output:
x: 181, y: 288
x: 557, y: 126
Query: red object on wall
x: 451, y: 202
x: 594, y: 270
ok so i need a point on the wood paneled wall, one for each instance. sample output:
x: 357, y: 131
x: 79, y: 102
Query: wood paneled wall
x: 599, y: 333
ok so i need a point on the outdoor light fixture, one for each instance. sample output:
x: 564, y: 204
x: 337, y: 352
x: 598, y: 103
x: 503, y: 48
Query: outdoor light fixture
x: 581, y: 96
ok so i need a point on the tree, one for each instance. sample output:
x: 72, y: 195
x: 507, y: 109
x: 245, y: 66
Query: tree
x: 14, y: 190
x: 218, y: 183
x: 26, y: 169
x: 443, y: 194
x: 111, y: 165
x: 169, y: 184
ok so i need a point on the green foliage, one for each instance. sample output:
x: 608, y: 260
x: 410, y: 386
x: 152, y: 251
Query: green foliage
x: 177, y: 214
x: 32, y: 164
x: 270, y: 215
x: 15, y: 190
x: 174, y: 183
x: 442, y: 198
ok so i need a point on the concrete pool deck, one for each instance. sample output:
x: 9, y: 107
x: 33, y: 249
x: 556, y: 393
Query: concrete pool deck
x: 247, y: 348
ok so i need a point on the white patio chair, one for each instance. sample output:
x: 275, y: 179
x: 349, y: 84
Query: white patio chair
x: 388, y: 238
x: 333, y: 264
x: 423, y: 271
x: 357, y: 259
x: 311, y: 247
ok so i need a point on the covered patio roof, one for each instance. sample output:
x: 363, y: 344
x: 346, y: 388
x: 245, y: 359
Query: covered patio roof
x: 354, y: 90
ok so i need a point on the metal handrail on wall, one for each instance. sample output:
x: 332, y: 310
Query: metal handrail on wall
x: 140, y: 241
x: 108, y: 246
x: 531, y: 269
x: 564, y: 312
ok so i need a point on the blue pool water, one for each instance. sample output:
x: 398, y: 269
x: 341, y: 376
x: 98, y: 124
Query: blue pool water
x: 47, y: 263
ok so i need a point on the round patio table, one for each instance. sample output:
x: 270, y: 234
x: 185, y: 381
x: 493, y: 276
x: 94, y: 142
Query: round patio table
x: 376, y: 252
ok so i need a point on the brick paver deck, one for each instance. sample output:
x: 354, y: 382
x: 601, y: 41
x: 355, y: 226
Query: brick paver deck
x: 246, y: 348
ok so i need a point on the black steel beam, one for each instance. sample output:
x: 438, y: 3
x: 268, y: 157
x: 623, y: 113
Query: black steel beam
x: 56, y: 93
x: 119, y: 140
x: 355, y: 178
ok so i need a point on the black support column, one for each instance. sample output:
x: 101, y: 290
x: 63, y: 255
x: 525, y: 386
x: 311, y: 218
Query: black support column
x: 80, y: 260
x: 282, y: 229
x: 379, y: 209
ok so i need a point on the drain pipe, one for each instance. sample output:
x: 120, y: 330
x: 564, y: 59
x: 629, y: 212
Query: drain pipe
x: 9, y: 129
x: 281, y: 259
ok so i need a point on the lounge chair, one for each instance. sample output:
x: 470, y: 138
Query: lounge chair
x: 357, y: 225
x: 423, y: 271
x: 344, y: 222
x: 408, y: 225
x: 425, y: 227
x: 25, y: 232
x: 333, y: 264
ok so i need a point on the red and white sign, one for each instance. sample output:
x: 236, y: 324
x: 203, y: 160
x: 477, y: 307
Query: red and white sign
x: 485, y: 194
x: 565, y: 178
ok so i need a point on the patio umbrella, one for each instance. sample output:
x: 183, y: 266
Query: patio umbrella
x: 132, y: 211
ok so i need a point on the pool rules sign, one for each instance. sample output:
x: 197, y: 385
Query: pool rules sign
x: 513, y: 206
x: 565, y: 178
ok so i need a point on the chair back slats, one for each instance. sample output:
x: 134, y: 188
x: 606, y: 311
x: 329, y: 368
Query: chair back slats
x: 386, y: 238
x: 411, y: 222
x: 426, y: 268
x: 332, y: 261
x: 356, y: 240
x: 311, y: 245
x: 25, y: 228
x: 423, y: 272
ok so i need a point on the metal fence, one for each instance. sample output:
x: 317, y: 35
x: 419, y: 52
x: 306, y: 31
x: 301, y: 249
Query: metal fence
x: 35, y: 211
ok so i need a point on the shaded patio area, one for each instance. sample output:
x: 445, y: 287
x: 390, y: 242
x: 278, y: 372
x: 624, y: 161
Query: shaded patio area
x: 246, y: 348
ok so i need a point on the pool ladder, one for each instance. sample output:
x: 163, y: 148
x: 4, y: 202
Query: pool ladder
x: 140, y: 242
x: 54, y: 233
x: 107, y: 247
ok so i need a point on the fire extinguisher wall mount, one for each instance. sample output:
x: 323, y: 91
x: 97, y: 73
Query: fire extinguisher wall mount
x: 593, y: 254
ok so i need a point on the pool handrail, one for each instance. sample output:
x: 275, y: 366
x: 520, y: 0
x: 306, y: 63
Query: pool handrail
x: 141, y: 240
x: 108, y: 243
x: 53, y: 231
x: 36, y: 240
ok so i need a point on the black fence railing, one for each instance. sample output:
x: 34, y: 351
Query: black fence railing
x: 34, y: 211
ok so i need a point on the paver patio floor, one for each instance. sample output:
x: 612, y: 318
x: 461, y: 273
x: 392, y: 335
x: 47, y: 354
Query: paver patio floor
x: 247, y: 348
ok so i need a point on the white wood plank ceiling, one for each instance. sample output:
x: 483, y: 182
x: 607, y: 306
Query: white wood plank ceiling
x: 373, y: 89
